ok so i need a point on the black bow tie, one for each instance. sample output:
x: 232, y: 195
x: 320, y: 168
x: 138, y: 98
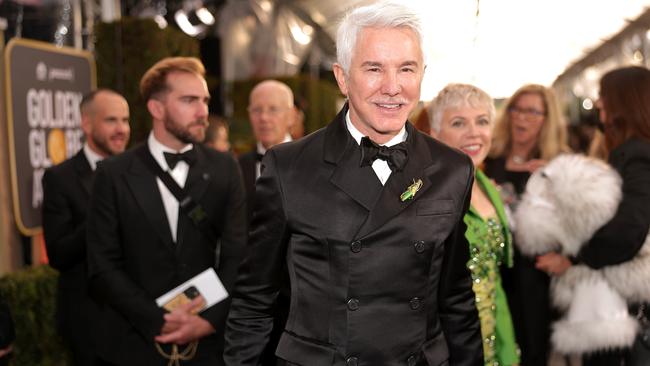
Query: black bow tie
x: 396, y: 156
x: 172, y: 159
x: 258, y: 156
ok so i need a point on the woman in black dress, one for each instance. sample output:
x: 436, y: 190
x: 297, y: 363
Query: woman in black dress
x: 624, y: 107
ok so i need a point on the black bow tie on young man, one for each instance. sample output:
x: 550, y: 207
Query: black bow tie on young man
x: 173, y: 158
x: 396, y: 156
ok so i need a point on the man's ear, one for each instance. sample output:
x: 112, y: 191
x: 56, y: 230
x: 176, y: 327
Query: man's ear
x: 293, y: 116
x: 156, y: 109
x: 86, y: 124
x: 339, y: 74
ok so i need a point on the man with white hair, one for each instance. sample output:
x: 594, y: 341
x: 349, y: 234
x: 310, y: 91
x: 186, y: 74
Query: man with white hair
x: 271, y: 113
x: 367, y: 215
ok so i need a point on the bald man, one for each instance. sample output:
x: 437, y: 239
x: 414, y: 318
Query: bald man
x: 105, y: 123
x: 272, y: 113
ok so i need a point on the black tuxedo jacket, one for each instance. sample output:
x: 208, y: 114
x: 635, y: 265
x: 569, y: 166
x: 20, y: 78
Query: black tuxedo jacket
x: 247, y: 163
x: 374, y: 281
x: 132, y: 259
x: 66, y: 191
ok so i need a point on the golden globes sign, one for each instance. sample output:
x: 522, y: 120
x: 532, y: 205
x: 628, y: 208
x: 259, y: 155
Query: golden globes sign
x: 44, y: 85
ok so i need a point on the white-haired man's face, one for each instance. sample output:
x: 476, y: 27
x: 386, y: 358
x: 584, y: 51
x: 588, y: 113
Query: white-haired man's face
x: 383, y: 83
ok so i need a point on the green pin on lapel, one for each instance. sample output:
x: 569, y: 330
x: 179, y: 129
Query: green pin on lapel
x: 411, y: 190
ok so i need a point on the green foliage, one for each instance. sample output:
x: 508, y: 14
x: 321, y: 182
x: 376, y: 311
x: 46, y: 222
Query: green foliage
x: 31, y: 296
x: 318, y: 97
x: 125, y: 49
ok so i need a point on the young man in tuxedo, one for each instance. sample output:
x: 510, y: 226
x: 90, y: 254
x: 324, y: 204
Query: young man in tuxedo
x: 66, y: 191
x: 367, y: 214
x: 142, y: 242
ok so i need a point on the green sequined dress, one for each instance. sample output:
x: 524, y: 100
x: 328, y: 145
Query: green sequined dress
x: 490, y: 245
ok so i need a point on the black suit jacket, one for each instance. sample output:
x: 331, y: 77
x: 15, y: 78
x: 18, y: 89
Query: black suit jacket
x: 374, y: 281
x: 66, y: 191
x: 623, y: 236
x: 247, y: 163
x: 132, y: 259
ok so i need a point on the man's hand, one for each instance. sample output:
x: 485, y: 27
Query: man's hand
x: 183, y: 326
x: 555, y: 264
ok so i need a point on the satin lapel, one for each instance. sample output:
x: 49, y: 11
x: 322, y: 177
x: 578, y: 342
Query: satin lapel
x: 198, y: 177
x: 389, y: 204
x: 198, y: 180
x: 142, y: 182
x: 84, y: 171
x: 361, y: 184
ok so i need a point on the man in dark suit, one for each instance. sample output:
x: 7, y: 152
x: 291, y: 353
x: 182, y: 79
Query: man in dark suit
x: 272, y: 113
x: 105, y: 123
x: 368, y: 216
x: 143, y: 243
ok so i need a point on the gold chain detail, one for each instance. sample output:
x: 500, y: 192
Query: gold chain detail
x: 175, y: 357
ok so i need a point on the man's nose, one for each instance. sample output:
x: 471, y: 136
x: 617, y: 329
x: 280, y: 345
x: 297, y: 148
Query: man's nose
x: 123, y: 126
x: 391, y: 84
x: 202, y: 111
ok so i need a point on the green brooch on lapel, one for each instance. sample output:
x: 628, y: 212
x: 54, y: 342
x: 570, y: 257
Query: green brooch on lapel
x: 410, y: 192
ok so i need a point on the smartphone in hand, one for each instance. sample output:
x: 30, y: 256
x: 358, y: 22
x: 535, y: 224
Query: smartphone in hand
x: 183, y: 298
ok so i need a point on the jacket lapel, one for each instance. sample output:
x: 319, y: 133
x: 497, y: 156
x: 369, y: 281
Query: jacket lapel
x: 198, y: 180
x: 419, y: 166
x: 199, y: 175
x: 142, y: 182
x: 85, y: 173
x: 360, y: 184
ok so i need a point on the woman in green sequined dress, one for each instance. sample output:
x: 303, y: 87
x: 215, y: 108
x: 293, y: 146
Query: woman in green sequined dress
x: 462, y: 116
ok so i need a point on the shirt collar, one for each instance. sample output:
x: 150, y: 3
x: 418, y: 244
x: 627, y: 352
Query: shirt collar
x: 262, y: 150
x: 91, y: 156
x: 357, y: 135
x: 157, y: 149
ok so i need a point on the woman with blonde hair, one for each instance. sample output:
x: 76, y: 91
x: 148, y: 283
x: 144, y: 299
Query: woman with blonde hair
x: 462, y: 116
x: 531, y: 131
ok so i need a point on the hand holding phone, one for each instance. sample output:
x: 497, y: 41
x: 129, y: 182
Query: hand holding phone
x: 183, y: 298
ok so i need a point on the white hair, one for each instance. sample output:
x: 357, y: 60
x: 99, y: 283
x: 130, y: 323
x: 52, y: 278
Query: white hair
x: 459, y: 96
x: 379, y: 15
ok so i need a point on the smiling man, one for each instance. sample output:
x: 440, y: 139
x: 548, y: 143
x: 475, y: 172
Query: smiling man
x: 367, y: 216
x: 144, y: 240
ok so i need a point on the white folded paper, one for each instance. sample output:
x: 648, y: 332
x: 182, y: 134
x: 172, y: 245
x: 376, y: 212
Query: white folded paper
x: 206, y: 283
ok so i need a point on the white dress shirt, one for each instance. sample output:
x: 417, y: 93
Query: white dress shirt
x: 380, y: 166
x: 179, y: 173
x: 92, y: 156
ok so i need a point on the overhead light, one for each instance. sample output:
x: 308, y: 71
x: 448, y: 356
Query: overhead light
x: 205, y: 16
x: 161, y: 21
x: 185, y: 25
x: 266, y: 5
x: 302, y: 34
x: 587, y: 104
